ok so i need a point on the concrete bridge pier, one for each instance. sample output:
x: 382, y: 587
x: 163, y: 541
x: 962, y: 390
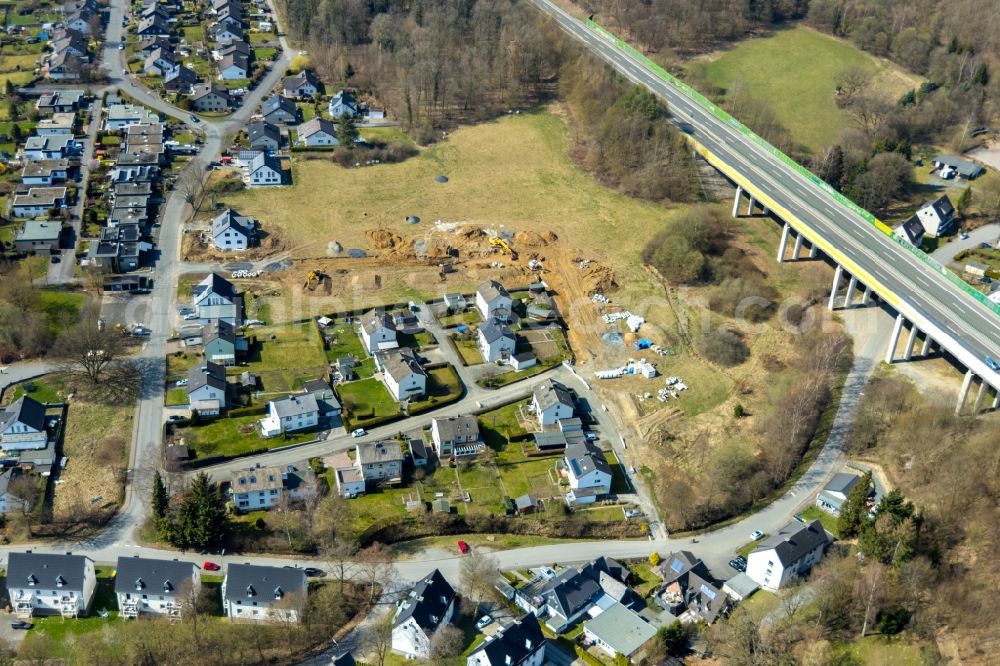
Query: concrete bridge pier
x: 914, y: 332
x: 736, y: 201
x: 851, y: 287
x: 784, y: 240
x: 797, y: 251
x: 894, y: 339
x: 964, y: 393
x: 836, y: 287
x: 979, y: 397
x: 996, y: 399
x: 750, y: 205
x: 866, y: 298
x: 813, y: 250
x: 926, y: 347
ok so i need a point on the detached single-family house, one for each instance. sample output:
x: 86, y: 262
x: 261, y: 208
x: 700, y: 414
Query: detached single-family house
x: 326, y: 399
x: 496, y: 340
x: 835, y: 493
x: 950, y: 166
x: 401, y: 373
x: 222, y: 343
x: 150, y: 44
x: 210, y: 97
x: 59, y: 123
x: 519, y: 644
x: 347, y: 475
x: 234, y: 66
x: 50, y: 584
x: 121, y: 116
x: 291, y: 414
x: 380, y: 462
x: 156, y: 587
x: 378, y: 331
x: 456, y: 436
x: 45, y: 172
x: 619, y: 630
x: 279, y: 110
x: 937, y: 216
x: 180, y: 79
x: 38, y: 236
x: 492, y: 300
x: 232, y: 231
x: 551, y: 401
x: 206, y: 389
x: 261, y: 594
x: 341, y: 103
x: 159, y: 62
x: 50, y: 147
x: 64, y: 66
x: 38, y: 202
x: 317, y: 132
x: 256, y: 488
x: 70, y: 41
x: 264, y: 136
x: 790, y: 553
x: 22, y: 425
x: 214, y: 298
x: 428, y: 607
x: 912, y: 230
x: 587, y: 469
x: 59, y: 101
x: 303, y: 84
x: 225, y: 32
x: 153, y: 26
x: 688, y: 591
x: 564, y: 599
x: 265, y: 170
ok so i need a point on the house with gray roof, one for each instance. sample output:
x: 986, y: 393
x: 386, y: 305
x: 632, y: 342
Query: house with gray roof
x: 51, y: 147
x: 552, y: 401
x: 59, y: 101
x: 292, y: 414
x: 279, y: 110
x: 45, y: 172
x: 380, y: 462
x: 937, y: 217
x: 303, y: 84
x: 180, y: 78
x: 456, y: 436
x: 740, y: 587
x: 153, y: 26
x: 587, y: 468
x: 401, y: 373
x: 496, y: 340
x: 317, y: 132
x: 257, y: 593
x: 326, y: 398
x: 234, y: 66
x: 151, y: 586
x: 341, y: 103
x: 964, y: 168
x: 232, y: 231
x: 378, y: 332
x: 265, y: 169
x: 210, y: 97
x: 22, y: 425
x: 222, y: 343
x: 835, y: 493
x: 911, y: 230
x: 564, y: 599
x: 38, y: 236
x: 214, y: 298
x: 493, y: 300
x: 519, y: 644
x: 688, y: 591
x: 206, y: 389
x: 789, y: 554
x: 256, y: 488
x: 264, y: 136
x: 619, y: 630
x: 42, y: 584
x: 421, y: 614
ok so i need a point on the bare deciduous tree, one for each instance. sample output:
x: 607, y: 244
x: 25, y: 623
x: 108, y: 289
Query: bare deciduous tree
x: 375, y: 568
x: 476, y: 575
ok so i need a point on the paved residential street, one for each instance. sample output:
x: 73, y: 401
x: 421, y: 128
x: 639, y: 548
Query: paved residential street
x: 988, y: 233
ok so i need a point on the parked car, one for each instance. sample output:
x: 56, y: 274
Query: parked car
x: 191, y: 316
x: 591, y: 436
x: 176, y: 417
x: 992, y: 363
x: 21, y: 624
x: 359, y: 432
x: 735, y: 564
x: 121, y: 47
x: 313, y: 572
x: 463, y: 547
x: 484, y: 622
x: 963, y: 236
x: 756, y: 535
x: 195, y: 119
x: 210, y: 566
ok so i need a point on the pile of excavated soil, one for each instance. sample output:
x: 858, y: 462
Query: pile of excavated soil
x: 383, y: 239
x: 524, y: 239
x: 597, y: 278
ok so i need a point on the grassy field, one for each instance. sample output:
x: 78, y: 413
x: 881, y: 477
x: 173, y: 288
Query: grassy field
x: 369, y: 400
x: 514, y: 171
x: 828, y: 521
x: 284, y: 355
x: 344, y: 341
x: 772, y: 69
x: 234, y: 436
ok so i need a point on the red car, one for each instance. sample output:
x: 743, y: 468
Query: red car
x: 210, y: 566
x: 463, y: 547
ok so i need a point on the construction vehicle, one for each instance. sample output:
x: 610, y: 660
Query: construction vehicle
x: 504, y: 247
x: 314, y: 279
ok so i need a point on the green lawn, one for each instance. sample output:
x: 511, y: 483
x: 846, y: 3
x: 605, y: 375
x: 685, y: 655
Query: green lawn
x: 366, y: 402
x: 501, y: 425
x: 62, y: 307
x: 260, y: 38
x: 882, y: 651
x: 57, y: 630
x: 264, y: 53
x: 43, y: 391
x: 443, y: 387
x: 528, y: 475
x: 194, y: 33
x: 467, y: 317
x: 234, y: 436
x: 386, y: 134
x: 344, y: 341
x: 284, y: 355
x: 828, y: 521
x: 468, y: 349
x: 619, y: 481
x: 178, y: 365
x: 772, y: 67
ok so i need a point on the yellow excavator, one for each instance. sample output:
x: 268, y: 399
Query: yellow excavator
x: 504, y: 247
x: 314, y: 279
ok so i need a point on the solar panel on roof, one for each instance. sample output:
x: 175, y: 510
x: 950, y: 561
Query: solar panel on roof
x: 676, y: 565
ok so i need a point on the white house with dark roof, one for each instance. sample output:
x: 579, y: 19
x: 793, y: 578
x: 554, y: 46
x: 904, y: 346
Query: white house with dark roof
x: 265, y: 170
x: 587, y: 468
x: 317, y: 132
x: 496, y: 341
x: 263, y: 594
x: 262, y: 135
x: 206, y: 389
x: 551, y: 401
x: 521, y: 643
x: 378, y: 332
x: 50, y: 584
x: 215, y: 297
x: 421, y: 614
x: 911, y: 229
x: 303, y: 84
x: 22, y: 425
x: 401, y: 373
x: 492, y: 300
x: 835, y: 493
x: 341, y: 103
x: 790, y: 553
x: 210, y: 97
x: 233, y: 66
x: 291, y: 414
x: 279, y: 110
x: 155, y: 587
x: 937, y: 216
x: 456, y: 436
x: 232, y: 231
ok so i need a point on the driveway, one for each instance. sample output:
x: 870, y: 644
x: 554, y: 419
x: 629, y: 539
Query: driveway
x: 988, y: 233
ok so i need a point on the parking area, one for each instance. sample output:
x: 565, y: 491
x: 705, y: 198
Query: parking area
x: 125, y: 309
